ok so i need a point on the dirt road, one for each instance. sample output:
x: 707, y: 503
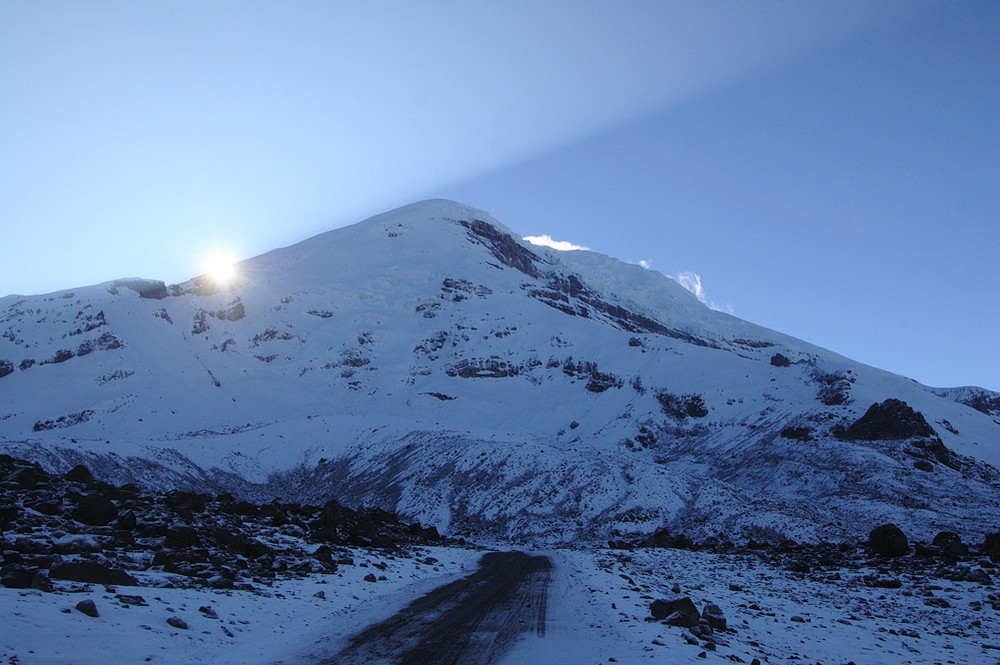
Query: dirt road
x: 472, y: 621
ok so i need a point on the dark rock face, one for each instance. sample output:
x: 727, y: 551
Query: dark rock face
x: 146, y: 288
x: 503, y: 247
x: 888, y: 540
x: 891, y: 420
x: 678, y: 612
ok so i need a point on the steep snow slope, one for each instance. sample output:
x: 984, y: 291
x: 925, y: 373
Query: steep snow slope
x: 429, y: 359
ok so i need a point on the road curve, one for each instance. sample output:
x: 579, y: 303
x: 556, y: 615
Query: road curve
x: 472, y: 621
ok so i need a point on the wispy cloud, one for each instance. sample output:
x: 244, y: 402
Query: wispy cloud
x: 692, y: 282
x: 547, y: 241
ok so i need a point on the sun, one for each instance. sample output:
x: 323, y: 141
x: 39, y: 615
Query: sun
x: 220, y: 266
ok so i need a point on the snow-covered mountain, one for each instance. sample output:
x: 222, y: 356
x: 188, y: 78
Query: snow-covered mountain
x: 430, y: 360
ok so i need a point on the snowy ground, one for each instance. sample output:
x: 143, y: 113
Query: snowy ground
x: 285, y: 621
x: 597, y: 613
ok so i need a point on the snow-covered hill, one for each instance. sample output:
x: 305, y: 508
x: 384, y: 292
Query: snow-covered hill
x: 430, y: 360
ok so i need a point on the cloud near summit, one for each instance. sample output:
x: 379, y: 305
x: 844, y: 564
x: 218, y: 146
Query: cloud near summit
x: 547, y: 241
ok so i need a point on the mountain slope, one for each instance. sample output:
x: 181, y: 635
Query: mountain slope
x: 429, y: 359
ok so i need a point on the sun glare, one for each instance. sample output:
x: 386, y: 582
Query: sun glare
x: 220, y: 267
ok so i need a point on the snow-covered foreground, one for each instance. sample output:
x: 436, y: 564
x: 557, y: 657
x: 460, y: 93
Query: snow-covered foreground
x: 284, y: 622
x: 596, y: 612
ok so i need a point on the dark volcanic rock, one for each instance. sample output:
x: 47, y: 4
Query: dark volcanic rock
x: 41, y: 582
x: 153, y: 289
x: 991, y: 547
x: 890, y: 420
x: 25, y: 478
x: 94, y: 572
x: 779, y: 360
x: 950, y: 544
x: 177, y: 622
x: 87, y: 607
x: 678, y: 612
x: 17, y: 577
x: 888, y: 540
x: 126, y: 520
x: 713, y: 615
x: 95, y: 510
x: 79, y: 474
x: 179, y: 501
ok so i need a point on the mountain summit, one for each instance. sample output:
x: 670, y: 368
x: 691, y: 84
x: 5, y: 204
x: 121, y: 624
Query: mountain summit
x: 430, y: 360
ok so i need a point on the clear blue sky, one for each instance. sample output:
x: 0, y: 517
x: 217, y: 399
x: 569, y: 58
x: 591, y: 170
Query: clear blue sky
x: 830, y: 170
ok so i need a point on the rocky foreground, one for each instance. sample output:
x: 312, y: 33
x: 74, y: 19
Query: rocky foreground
x: 75, y: 528
x: 143, y: 561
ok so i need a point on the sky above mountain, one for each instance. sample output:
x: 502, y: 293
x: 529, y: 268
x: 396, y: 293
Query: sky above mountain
x: 828, y: 170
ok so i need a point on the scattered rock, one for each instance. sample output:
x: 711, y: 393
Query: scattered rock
x: 370, y: 577
x: 88, y: 607
x: 177, y: 623
x: 126, y: 599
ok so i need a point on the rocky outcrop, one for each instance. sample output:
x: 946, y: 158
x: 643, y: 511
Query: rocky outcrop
x: 891, y: 420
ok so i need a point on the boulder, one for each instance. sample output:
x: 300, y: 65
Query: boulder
x: 87, y: 607
x: 888, y: 540
x: 17, y: 577
x: 180, y: 501
x: 79, y: 474
x: 95, y: 510
x: 712, y: 613
x: 41, y: 582
x: 25, y: 478
x: 950, y: 544
x: 991, y: 547
x: 127, y: 520
x: 677, y: 612
x: 177, y: 622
